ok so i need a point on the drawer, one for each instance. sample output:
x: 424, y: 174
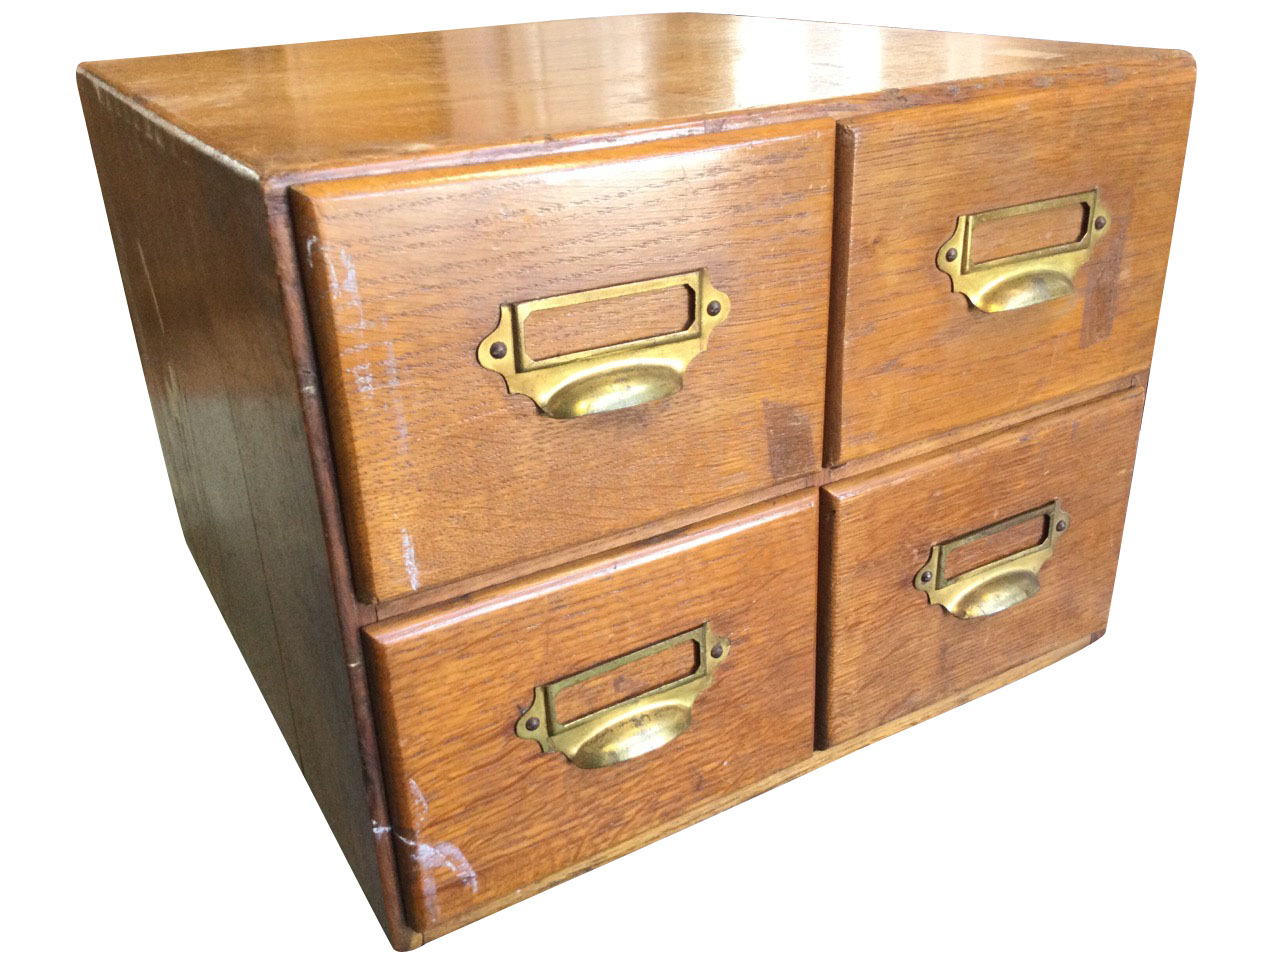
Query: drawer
x: 951, y: 569
x: 563, y: 349
x: 1042, y: 298
x: 704, y: 643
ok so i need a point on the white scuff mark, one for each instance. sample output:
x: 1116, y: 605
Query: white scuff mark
x: 410, y: 556
x: 311, y: 245
x: 344, y: 287
x: 393, y: 370
x: 146, y: 273
x: 430, y: 857
x: 392, y: 380
x: 349, y: 281
x: 363, y: 374
x: 331, y: 272
x: 344, y: 294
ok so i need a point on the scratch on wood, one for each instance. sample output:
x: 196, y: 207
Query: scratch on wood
x: 392, y: 380
x: 344, y: 290
x: 158, y: 123
x: 146, y: 273
x: 345, y: 299
x: 430, y: 857
x: 410, y: 556
x: 363, y: 374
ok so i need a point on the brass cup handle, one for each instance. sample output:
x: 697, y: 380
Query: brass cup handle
x: 633, y: 727
x: 604, y: 378
x: 997, y: 585
x: 1022, y: 279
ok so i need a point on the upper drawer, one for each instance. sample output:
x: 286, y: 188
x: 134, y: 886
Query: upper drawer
x: 1046, y: 301
x: 434, y: 292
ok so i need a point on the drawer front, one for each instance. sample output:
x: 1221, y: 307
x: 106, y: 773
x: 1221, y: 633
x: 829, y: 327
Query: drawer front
x: 1065, y: 302
x: 482, y: 811
x: 952, y: 569
x: 482, y: 331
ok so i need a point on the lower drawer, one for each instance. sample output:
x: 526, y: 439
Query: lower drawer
x: 949, y: 570
x: 536, y: 728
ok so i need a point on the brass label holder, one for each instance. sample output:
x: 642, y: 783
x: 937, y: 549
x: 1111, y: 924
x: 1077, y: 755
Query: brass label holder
x: 997, y: 585
x: 603, y: 378
x: 633, y: 727
x: 1023, y: 279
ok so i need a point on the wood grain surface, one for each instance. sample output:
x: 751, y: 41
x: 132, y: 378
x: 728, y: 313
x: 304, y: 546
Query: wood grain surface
x: 884, y: 651
x: 446, y: 474
x: 294, y: 110
x: 193, y: 239
x: 910, y: 358
x: 451, y: 683
x: 714, y: 805
x: 415, y: 183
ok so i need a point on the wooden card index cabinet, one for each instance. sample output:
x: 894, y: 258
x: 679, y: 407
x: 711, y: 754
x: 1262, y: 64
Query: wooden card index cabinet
x: 550, y: 410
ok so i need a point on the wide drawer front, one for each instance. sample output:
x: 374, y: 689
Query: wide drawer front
x: 561, y: 350
x: 537, y: 728
x: 949, y: 570
x: 998, y: 254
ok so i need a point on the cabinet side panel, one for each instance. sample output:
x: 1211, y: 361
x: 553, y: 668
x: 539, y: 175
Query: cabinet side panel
x: 192, y: 237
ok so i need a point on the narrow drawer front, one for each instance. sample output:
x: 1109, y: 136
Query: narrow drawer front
x: 995, y: 255
x: 950, y: 570
x: 564, y: 349
x: 533, y: 730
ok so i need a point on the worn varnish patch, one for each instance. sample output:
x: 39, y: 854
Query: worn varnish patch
x: 790, y: 438
x: 1104, y: 276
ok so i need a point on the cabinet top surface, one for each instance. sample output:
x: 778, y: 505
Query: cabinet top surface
x: 382, y: 102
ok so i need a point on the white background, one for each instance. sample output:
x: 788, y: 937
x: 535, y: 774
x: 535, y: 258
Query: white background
x: 1120, y: 804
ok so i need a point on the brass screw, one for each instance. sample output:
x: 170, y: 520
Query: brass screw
x: 532, y: 723
x: 713, y: 308
x: 926, y: 576
x: 717, y: 651
x: 1099, y: 223
x: 1061, y: 525
x: 952, y: 254
x: 498, y: 350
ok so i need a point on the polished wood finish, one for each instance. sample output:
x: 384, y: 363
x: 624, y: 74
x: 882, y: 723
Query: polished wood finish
x: 456, y: 171
x: 406, y: 276
x: 910, y: 358
x: 293, y: 111
x: 885, y: 651
x: 450, y: 684
x: 228, y: 393
x: 702, y: 810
